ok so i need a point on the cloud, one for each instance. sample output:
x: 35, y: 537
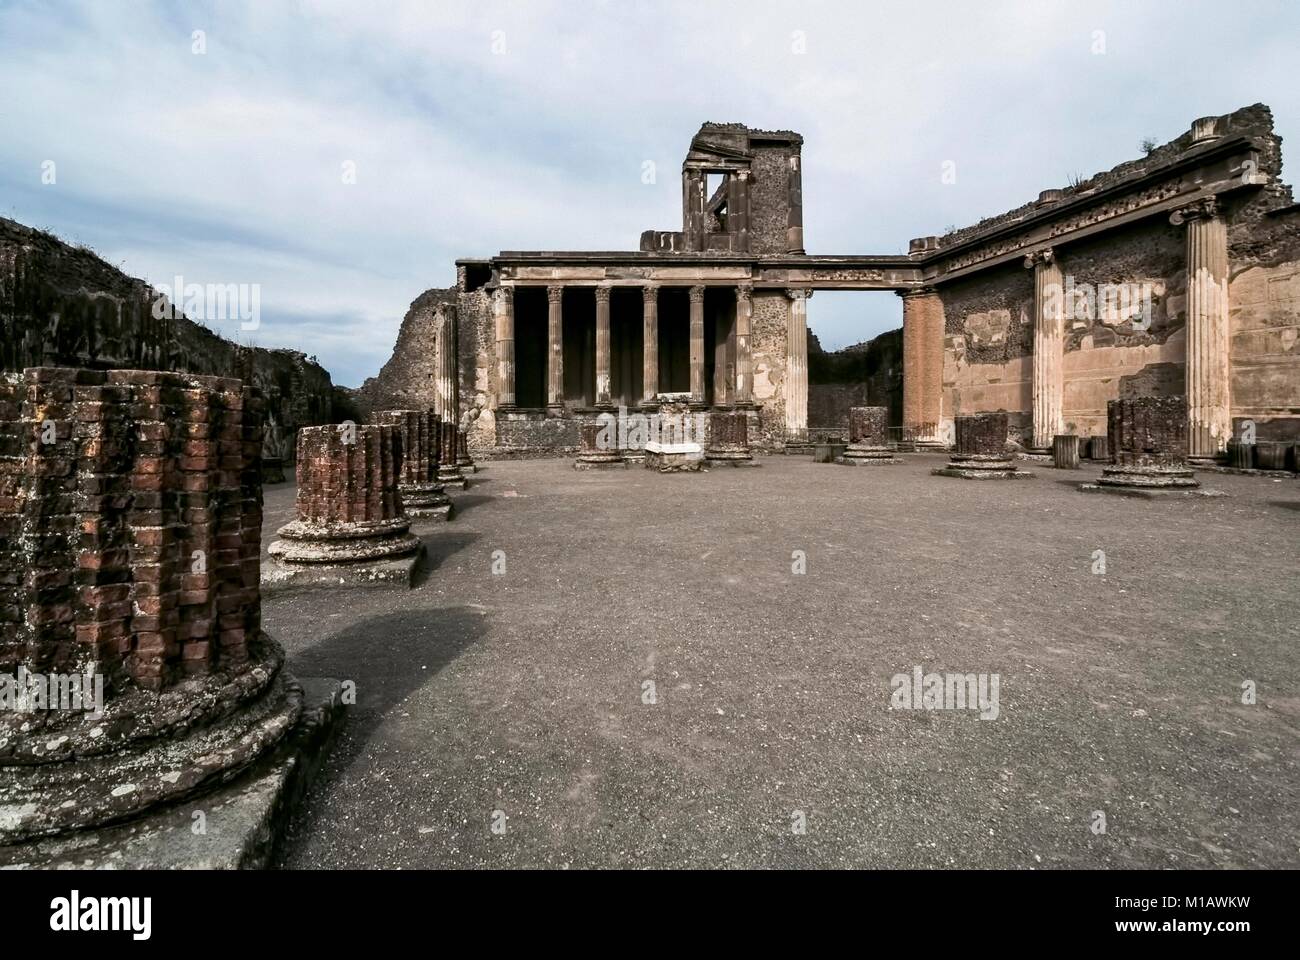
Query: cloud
x: 476, y: 127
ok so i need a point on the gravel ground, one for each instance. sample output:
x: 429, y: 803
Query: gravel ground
x: 518, y: 698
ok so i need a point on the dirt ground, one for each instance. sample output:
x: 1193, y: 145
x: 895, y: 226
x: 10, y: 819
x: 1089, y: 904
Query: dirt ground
x: 506, y: 720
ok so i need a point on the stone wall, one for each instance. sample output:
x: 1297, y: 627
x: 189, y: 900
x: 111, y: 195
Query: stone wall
x: 64, y: 305
x: 768, y: 349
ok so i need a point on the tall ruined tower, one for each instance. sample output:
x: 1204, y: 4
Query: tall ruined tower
x: 742, y: 192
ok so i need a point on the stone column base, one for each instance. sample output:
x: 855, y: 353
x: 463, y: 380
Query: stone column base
x: 981, y: 467
x: 146, y: 749
x: 306, y: 542
x: 861, y: 454
x: 425, y: 501
x: 452, y: 477
x: 1149, y: 477
x: 600, y: 460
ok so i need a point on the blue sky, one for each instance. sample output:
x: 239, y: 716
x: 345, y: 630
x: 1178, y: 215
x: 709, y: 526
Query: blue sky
x: 481, y: 126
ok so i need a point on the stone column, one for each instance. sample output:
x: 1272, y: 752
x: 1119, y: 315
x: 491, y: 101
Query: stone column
x: 602, y: 347
x: 555, y: 350
x: 796, y: 367
x: 980, y: 450
x: 744, y: 359
x: 868, y: 438
x: 448, y: 395
x: 421, y: 435
x: 693, y: 202
x: 721, y: 378
x: 697, y: 344
x: 1049, y: 348
x: 503, y: 307
x: 922, y: 365
x: 1148, y: 440
x: 1209, y: 414
x: 738, y: 213
x: 794, y: 207
x: 650, y: 349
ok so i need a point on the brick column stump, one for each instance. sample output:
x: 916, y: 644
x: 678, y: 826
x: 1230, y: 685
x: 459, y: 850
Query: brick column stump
x: 351, y: 526
x: 422, y: 493
x: 599, y: 446
x: 449, y: 471
x: 981, y: 450
x: 130, y: 543
x: 729, y: 440
x: 868, y: 438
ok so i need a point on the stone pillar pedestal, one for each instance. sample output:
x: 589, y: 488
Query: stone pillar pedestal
x: 463, y: 460
x: 131, y: 643
x: 1208, y: 410
x: 421, y: 433
x: 599, y: 446
x: 868, y: 438
x: 1049, y: 349
x: 350, y: 514
x: 729, y: 440
x: 981, y: 450
x: 1148, y: 444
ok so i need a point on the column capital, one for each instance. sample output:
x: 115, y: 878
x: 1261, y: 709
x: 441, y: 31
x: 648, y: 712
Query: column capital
x: 602, y: 293
x: 742, y: 174
x: 555, y: 292
x: 1207, y: 208
x: 915, y: 292
x: 505, y: 296
x: 697, y: 294
x: 1044, y: 255
x: 798, y: 293
x: 744, y: 291
x: 650, y: 290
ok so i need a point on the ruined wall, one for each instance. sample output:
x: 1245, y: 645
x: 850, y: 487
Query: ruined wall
x: 1264, y: 323
x: 408, y: 381
x: 769, y: 197
x: 63, y: 305
x: 478, y: 368
x: 989, y: 315
x: 884, y: 374
x: 988, y: 344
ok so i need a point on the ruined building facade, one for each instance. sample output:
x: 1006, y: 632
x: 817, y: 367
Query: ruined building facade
x: 1175, y: 274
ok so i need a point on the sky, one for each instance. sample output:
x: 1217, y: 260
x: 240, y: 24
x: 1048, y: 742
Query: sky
x: 341, y: 156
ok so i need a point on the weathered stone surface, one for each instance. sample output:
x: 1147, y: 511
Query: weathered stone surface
x: 674, y: 457
x: 449, y: 472
x: 1065, y: 451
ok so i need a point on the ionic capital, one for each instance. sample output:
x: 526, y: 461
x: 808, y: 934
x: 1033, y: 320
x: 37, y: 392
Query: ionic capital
x: 1045, y: 256
x: 1207, y: 208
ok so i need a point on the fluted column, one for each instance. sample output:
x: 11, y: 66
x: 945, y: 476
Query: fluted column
x: 796, y: 365
x: 603, y: 394
x: 738, y: 213
x: 697, y: 344
x: 1049, y: 348
x: 650, y: 341
x: 744, y: 359
x: 1209, y: 413
x: 447, y: 396
x: 721, y: 378
x: 503, y: 308
x: 555, y: 349
x: 794, y: 207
